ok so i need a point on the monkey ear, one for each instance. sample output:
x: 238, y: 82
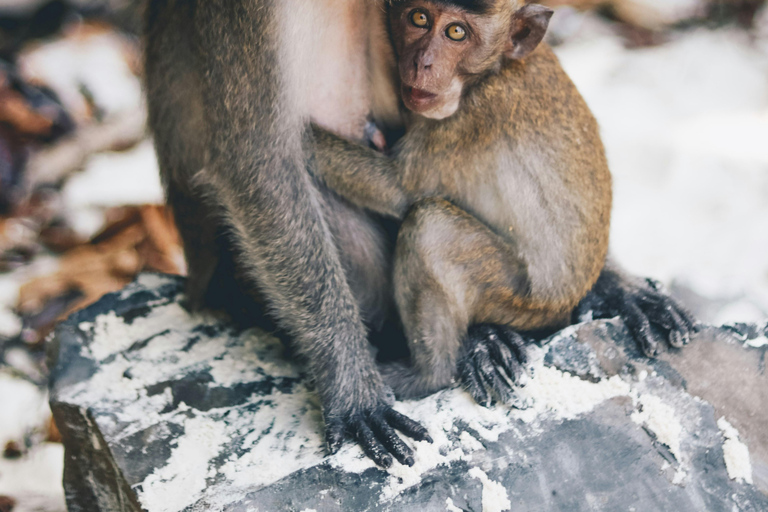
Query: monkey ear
x: 529, y: 24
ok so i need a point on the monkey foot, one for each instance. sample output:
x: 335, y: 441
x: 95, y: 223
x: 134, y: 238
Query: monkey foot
x: 375, y: 432
x: 494, y: 361
x: 649, y: 313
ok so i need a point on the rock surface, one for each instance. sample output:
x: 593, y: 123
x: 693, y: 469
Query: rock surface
x: 164, y: 411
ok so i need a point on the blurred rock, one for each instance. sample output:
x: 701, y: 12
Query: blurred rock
x: 91, y: 68
x: 23, y: 412
x: 26, y: 21
x: 163, y: 410
x: 29, y: 117
x: 33, y: 482
x: 30, y: 467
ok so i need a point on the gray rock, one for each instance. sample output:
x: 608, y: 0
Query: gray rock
x: 164, y: 411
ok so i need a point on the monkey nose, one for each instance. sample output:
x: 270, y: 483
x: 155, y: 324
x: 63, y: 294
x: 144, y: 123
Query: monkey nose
x: 422, y: 60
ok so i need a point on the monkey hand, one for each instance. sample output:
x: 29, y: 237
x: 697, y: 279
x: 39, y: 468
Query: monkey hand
x: 494, y: 360
x: 374, y: 430
x: 649, y: 313
x: 375, y: 136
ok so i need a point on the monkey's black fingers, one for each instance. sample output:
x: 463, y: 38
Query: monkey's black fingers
x: 371, y: 446
x: 391, y: 440
x: 679, y: 334
x: 667, y: 313
x: 506, y: 360
x: 407, y: 426
x: 480, y: 358
x: 683, y: 314
x: 517, y: 343
x: 662, y: 298
x: 502, y: 387
x: 638, y: 325
x: 473, y: 384
x: 491, y: 375
x: 482, y: 342
x: 334, y: 435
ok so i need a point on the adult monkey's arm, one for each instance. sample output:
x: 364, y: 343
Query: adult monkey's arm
x: 255, y: 172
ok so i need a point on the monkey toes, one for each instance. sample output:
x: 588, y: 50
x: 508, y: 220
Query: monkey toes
x: 493, y: 362
x: 653, y: 316
x: 649, y: 313
x: 375, y: 432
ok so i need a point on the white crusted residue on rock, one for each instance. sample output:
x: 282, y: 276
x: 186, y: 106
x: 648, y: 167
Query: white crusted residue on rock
x: 757, y: 342
x: 566, y: 396
x: 469, y: 443
x: 735, y: 453
x: 660, y: 419
x: 182, y: 480
x: 259, y: 355
x: 450, y: 507
x: 495, y: 498
x: 551, y: 395
x: 289, y: 424
x: 111, y: 334
x: 268, y: 425
x: 437, y: 413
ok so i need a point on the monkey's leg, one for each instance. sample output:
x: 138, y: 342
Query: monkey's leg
x: 176, y: 118
x: 651, y: 315
x: 232, y: 59
x: 198, y: 232
x: 452, y: 272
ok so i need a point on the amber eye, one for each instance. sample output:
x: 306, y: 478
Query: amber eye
x: 456, y: 32
x: 419, y: 18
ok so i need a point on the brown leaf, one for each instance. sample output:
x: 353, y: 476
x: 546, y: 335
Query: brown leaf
x: 137, y: 238
x: 17, y: 113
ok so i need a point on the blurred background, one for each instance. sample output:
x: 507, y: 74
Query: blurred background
x: 680, y: 88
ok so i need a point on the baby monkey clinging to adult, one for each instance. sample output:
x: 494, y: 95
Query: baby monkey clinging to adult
x: 502, y: 179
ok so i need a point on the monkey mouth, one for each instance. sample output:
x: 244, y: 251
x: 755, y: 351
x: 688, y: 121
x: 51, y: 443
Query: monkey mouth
x: 417, y: 99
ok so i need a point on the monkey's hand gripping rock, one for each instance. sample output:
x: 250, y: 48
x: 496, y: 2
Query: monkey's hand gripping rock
x: 374, y: 430
x: 493, y: 361
x: 649, y: 313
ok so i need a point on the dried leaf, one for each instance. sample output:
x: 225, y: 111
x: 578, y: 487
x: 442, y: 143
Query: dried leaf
x: 138, y: 238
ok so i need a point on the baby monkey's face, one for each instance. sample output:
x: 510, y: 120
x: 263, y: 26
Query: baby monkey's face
x: 442, y: 45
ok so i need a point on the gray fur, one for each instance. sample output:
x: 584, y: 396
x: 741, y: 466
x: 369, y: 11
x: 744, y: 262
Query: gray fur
x: 229, y: 125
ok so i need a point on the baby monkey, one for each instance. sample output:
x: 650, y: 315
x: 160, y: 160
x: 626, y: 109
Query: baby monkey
x: 502, y: 184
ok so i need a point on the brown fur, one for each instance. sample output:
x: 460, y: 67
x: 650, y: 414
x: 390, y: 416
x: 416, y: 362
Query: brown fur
x: 508, y: 209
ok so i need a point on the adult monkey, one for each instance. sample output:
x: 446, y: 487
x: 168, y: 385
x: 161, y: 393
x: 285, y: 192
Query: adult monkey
x: 232, y: 85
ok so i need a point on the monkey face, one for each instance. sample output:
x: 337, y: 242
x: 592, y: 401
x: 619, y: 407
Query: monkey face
x: 442, y: 44
x: 432, y: 40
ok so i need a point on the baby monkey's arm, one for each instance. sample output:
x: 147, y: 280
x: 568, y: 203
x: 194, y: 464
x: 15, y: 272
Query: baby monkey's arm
x: 360, y: 174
